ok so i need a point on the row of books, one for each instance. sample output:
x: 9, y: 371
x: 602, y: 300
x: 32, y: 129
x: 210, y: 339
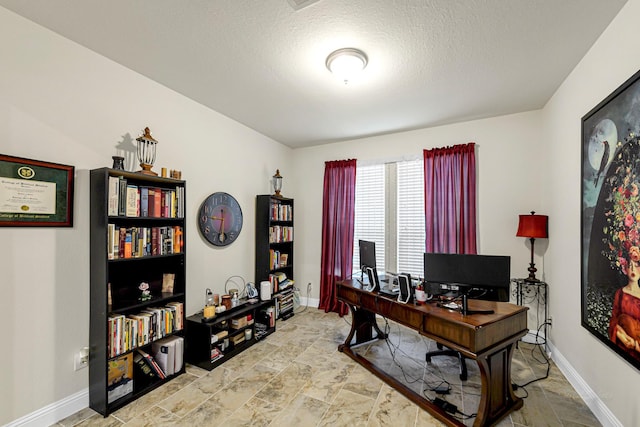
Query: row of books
x: 279, y: 282
x: 135, y: 242
x: 284, y: 304
x: 147, y: 365
x: 280, y: 212
x: 216, y: 354
x: 135, y: 330
x: 168, y: 353
x: 265, y: 320
x: 126, y: 199
x: 277, y: 259
x: 279, y: 234
x: 166, y: 359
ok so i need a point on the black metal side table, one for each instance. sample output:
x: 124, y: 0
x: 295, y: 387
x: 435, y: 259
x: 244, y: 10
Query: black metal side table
x: 530, y: 293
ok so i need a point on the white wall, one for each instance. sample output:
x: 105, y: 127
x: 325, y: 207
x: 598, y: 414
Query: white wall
x: 610, y: 62
x: 507, y: 186
x: 62, y: 103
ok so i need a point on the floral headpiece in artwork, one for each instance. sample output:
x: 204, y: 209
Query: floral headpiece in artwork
x: 622, y: 229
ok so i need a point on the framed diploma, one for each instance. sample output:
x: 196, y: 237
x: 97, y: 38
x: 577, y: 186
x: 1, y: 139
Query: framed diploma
x: 34, y: 193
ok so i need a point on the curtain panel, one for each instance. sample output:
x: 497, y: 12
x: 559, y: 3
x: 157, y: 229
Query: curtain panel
x: 338, y: 216
x: 450, y: 199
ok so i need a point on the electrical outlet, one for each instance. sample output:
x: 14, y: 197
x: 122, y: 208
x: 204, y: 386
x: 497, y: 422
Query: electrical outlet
x: 81, y: 359
x: 550, y: 321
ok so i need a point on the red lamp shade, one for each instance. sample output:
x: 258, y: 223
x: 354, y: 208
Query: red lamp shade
x: 533, y: 226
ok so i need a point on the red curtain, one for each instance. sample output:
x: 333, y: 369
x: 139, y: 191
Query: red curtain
x: 450, y: 199
x: 338, y: 216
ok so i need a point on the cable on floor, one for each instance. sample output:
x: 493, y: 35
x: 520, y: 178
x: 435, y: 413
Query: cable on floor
x: 394, y: 348
x: 296, y: 298
x: 540, y: 347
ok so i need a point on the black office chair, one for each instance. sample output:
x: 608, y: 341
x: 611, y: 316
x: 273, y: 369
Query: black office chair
x: 495, y: 295
x: 448, y: 352
x: 442, y: 351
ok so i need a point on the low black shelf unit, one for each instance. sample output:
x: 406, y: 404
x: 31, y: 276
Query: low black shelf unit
x: 211, y: 342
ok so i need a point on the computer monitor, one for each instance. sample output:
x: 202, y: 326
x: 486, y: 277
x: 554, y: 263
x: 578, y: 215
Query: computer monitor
x: 367, y: 254
x: 489, y: 274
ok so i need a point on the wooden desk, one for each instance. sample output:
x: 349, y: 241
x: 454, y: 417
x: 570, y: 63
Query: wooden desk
x: 487, y: 338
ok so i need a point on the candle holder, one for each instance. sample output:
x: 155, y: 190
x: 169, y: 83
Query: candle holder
x: 118, y: 163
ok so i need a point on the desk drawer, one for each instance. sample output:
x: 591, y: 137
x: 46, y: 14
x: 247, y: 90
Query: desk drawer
x: 398, y: 312
x: 447, y: 328
x: 348, y: 295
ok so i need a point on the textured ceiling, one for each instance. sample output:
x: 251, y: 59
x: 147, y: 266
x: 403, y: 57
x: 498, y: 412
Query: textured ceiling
x: 261, y: 62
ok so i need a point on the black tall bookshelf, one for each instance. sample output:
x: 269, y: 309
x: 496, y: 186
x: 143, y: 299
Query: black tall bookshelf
x: 274, y: 249
x: 154, y: 249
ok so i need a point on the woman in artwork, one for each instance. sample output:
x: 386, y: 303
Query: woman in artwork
x: 624, y: 326
x: 623, y: 226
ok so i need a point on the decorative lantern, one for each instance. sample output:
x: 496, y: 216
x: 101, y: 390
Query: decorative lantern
x: 277, y: 183
x: 147, y: 152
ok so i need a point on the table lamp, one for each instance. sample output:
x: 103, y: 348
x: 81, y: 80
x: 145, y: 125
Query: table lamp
x: 533, y: 227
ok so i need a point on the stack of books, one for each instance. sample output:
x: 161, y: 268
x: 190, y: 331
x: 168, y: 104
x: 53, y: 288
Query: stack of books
x: 126, y: 199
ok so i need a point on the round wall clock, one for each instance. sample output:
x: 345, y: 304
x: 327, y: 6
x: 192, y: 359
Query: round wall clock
x: 220, y: 219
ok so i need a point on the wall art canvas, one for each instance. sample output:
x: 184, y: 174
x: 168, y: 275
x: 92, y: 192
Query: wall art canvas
x: 610, y: 221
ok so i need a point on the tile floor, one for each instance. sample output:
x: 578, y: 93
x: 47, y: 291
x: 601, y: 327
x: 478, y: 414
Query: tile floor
x: 296, y: 377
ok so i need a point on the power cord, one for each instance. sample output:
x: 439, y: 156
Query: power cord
x: 242, y: 290
x: 538, y: 345
x: 452, y: 409
x: 296, y: 296
x: 394, y: 348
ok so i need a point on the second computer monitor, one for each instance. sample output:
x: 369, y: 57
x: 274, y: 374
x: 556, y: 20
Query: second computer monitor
x: 367, y: 254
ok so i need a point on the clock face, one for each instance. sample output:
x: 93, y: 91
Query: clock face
x: 220, y: 219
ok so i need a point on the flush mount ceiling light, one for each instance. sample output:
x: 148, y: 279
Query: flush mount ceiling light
x: 346, y: 63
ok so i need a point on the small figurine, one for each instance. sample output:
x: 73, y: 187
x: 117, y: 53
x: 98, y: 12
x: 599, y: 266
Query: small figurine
x: 146, y: 293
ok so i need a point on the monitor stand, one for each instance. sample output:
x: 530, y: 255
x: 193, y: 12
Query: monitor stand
x: 465, y: 307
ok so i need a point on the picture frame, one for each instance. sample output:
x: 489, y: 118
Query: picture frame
x: 168, y: 280
x: 610, y: 221
x: 284, y: 260
x: 35, y: 193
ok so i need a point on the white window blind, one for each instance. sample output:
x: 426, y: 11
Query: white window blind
x: 369, y: 216
x: 407, y: 228
x: 411, y: 217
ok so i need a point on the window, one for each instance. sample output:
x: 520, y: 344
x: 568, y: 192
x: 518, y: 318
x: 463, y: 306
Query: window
x: 390, y: 211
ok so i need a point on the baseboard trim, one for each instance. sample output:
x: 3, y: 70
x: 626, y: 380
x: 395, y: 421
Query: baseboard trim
x: 597, y: 406
x: 310, y: 302
x: 54, y: 412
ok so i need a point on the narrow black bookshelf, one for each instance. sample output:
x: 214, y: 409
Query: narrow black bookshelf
x: 274, y: 250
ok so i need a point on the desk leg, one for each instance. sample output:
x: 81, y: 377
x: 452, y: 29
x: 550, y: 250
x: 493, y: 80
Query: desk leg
x: 363, y: 323
x: 497, y: 397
